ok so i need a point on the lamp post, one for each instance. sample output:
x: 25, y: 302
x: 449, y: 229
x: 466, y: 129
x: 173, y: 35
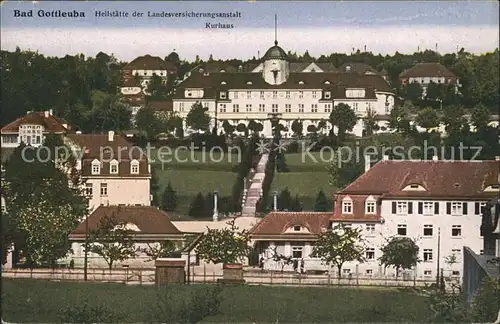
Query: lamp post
x: 275, y: 200
x: 438, y: 255
x: 216, y: 211
x: 85, y: 259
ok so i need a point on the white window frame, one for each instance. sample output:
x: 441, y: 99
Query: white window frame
x: 223, y: 108
x: 249, y: 94
x: 314, y: 108
x: 301, y: 108
x: 249, y: 107
x: 236, y: 108
x: 428, y: 255
x: 347, y: 206
x: 89, y: 189
x: 401, y: 207
x: 113, y: 167
x: 134, y: 167
x: 427, y: 226
x: 328, y: 95
x: 456, y: 208
x: 262, y: 107
x: 370, y: 254
x: 235, y: 94
x: 370, y: 229
x: 301, y: 94
x: 262, y: 95
x: 222, y: 95
x: 405, y: 228
x: 314, y: 94
x: 328, y: 108
x: 274, y: 108
x: 428, y: 273
x: 458, y: 229
x: 288, y: 108
x: 103, y: 189
x: 287, y: 94
x: 458, y: 254
x: 370, y: 207
x: 428, y: 208
x: 298, y: 249
x: 275, y: 94
x: 96, y: 167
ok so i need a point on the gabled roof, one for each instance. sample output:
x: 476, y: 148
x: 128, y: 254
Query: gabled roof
x: 358, y: 210
x: 442, y: 179
x: 148, y: 62
x: 49, y: 122
x: 421, y: 70
x: 276, y: 223
x: 148, y: 219
x: 95, y: 146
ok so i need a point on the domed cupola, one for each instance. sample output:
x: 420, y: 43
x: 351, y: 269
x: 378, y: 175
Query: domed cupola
x: 276, y: 68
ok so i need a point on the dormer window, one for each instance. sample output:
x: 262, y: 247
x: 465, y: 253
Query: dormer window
x: 223, y: 82
x: 96, y: 167
x: 327, y: 82
x: 301, y: 82
x: 113, y: 167
x: 328, y: 94
x: 296, y: 228
x: 414, y: 186
x: 249, y: 82
x: 370, y: 207
x: 347, y: 206
x: 134, y: 167
x: 222, y: 95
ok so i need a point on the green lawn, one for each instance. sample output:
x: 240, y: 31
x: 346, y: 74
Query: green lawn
x: 308, y: 161
x: 194, y: 160
x: 43, y: 301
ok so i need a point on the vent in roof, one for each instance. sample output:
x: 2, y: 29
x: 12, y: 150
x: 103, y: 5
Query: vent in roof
x: 206, y: 74
x: 301, y: 82
x: 249, y: 82
x: 327, y: 82
x: 223, y: 70
x: 223, y: 82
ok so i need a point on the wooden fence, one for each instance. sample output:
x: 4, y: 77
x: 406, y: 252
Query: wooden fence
x: 144, y: 276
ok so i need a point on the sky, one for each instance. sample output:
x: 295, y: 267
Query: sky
x: 319, y: 27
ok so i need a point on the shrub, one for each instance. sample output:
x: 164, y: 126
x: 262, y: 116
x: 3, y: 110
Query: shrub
x: 87, y: 313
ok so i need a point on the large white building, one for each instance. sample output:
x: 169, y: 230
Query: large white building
x: 272, y: 90
x: 436, y: 203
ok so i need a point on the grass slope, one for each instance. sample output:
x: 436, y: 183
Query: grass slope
x: 42, y: 301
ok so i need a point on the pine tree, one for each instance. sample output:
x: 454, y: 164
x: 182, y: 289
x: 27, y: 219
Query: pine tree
x: 169, y: 198
x: 321, y: 204
x: 197, y: 206
x: 296, y: 206
x: 209, y: 205
x: 284, y: 200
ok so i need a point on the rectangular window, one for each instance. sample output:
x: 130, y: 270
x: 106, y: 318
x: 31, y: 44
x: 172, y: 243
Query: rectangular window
x: 262, y: 107
x: 235, y: 95
x: 478, y: 208
x: 369, y: 272
x: 222, y: 95
x: 370, y: 207
x: 428, y: 255
x: 297, y: 252
x: 402, y: 207
x: 287, y: 94
x: 249, y: 94
x: 347, y: 207
x: 457, y: 253
x: 428, y: 208
x: 96, y: 168
x: 301, y: 94
x: 104, y: 189
x: 454, y: 208
x: 427, y: 273
x: 455, y: 273
x: 301, y: 108
x: 134, y: 168
x: 314, y: 108
x: 288, y: 108
x: 428, y: 230
x: 275, y: 94
x: 370, y: 254
x: 181, y: 106
x: 370, y: 228
x: 328, y: 95
x: 274, y: 108
x: 355, y: 106
x: 328, y: 108
x: 249, y: 107
x: 262, y: 95
x: 88, y: 189
x: 113, y: 169
x: 223, y: 108
x: 314, y: 94
x: 456, y: 230
x: 236, y: 108
x: 402, y: 229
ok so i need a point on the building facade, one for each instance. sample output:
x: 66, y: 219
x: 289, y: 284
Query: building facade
x: 272, y: 90
x: 115, y: 172
x: 425, y: 73
x: 32, y: 128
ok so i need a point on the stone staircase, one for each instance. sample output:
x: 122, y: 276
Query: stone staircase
x: 252, y: 194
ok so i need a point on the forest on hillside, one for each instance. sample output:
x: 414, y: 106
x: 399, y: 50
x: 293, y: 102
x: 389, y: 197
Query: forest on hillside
x: 85, y: 90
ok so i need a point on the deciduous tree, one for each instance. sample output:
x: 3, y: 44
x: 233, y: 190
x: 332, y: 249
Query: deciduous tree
x: 198, y: 118
x: 297, y: 128
x: 157, y: 250
x: 400, y: 253
x: 370, y: 122
x: 169, y: 198
x: 427, y: 118
x: 340, y: 245
x: 344, y: 118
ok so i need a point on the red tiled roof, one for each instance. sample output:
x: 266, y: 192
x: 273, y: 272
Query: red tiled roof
x: 96, y: 146
x: 421, y: 70
x: 441, y: 179
x: 358, y: 210
x: 148, y: 62
x: 276, y: 223
x: 51, y: 123
x: 148, y: 219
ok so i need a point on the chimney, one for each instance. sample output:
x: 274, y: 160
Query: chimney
x: 78, y: 132
x: 435, y: 158
x: 46, y: 113
x: 386, y: 157
x: 367, y: 163
x: 111, y: 136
